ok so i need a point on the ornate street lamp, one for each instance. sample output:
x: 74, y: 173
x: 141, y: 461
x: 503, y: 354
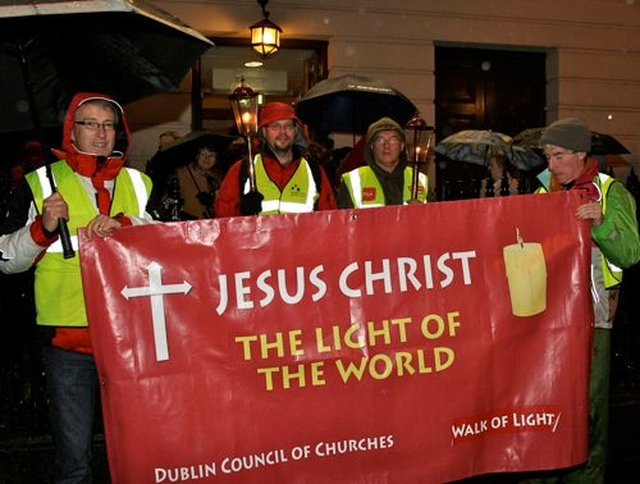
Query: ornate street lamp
x: 265, y: 35
x: 244, y: 102
x: 418, y: 140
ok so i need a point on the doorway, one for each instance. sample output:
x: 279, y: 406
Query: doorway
x: 283, y: 77
x: 481, y: 88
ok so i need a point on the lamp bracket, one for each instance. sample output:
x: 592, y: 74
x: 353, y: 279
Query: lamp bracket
x: 263, y: 4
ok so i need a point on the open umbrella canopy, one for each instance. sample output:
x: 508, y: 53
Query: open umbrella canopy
x: 601, y: 144
x: 478, y: 146
x: 184, y: 150
x: 349, y: 104
x: 55, y: 48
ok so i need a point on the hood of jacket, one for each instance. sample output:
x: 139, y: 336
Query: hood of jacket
x: 97, y: 168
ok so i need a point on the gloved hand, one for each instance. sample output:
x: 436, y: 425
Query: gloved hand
x: 205, y: 198
x: 251, y: 203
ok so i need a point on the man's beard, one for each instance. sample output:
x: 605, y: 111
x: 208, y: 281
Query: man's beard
x: 281, y: 151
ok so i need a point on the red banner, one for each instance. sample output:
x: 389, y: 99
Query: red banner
x: 423, y: 343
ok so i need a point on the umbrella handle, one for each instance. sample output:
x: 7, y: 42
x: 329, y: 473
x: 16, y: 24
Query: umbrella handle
x: 63, y: 228
x: 65, y: 239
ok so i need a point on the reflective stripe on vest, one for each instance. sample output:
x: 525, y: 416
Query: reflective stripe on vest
x: 139, y: 189
x: 356, y: 192
x: 275, y: 200
x: 612, y: 273
x: 44, y: 182
x: 58, y: 290
x: 354, y: 184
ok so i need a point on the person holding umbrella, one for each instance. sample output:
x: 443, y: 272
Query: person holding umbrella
x: 610, y: 211
x: 286, y: 180
x: 96, y: 191
x: 386, y: 178
x: 154, y: 169
x: 502, y: 179
x: 198, y: 183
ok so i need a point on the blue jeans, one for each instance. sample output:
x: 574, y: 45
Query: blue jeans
x: 72, y: 381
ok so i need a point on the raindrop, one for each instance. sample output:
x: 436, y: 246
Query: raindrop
x: 22, y: 106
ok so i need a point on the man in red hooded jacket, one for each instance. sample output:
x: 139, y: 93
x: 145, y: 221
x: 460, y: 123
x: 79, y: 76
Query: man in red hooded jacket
x: 286, y: 181
x: 95, y: 191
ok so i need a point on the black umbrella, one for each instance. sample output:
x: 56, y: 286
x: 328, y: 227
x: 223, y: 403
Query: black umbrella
x: 184, y: 150
x: 601, y: 144
x: 349, y: 104
x: 177, y: 153
x: 125, y: 48
x: 51, y: 49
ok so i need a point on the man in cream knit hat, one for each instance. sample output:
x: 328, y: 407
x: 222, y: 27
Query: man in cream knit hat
x: 386, y: 178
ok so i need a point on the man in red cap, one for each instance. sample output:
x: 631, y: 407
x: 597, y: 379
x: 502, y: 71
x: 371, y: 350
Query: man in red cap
x: 286, y: 181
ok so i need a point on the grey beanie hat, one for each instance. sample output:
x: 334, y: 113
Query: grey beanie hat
x: 569, y: 133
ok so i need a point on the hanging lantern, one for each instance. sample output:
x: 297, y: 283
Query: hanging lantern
x: 265, y: 35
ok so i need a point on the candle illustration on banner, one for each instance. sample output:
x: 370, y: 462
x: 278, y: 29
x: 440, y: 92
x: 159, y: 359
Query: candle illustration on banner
x: 527, y: 277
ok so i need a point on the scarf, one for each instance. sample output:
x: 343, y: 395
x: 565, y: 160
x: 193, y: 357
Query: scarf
x: 584, y: 182
x: 98, y: 169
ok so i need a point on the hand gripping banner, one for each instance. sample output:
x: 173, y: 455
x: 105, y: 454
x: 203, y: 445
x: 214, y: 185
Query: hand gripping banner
x: 421, y: 343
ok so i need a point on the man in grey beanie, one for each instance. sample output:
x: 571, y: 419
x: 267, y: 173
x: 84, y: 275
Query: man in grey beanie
x: 570, y: 133
x: 611, y: 212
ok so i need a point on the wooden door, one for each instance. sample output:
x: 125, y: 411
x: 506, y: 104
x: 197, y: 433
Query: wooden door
x: 484, y: 89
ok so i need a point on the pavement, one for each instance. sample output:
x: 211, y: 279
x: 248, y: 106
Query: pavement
x: 26, y: 449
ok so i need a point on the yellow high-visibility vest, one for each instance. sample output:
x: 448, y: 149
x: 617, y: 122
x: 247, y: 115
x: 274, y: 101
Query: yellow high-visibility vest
x: 58, y: 285
x: 366, y: 191
x: 298, y: 196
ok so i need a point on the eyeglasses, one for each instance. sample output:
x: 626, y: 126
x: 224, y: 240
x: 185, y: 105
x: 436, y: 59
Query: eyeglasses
x: 207, y: 154
x: 279, y: 126
x: 95, y: 125
x: 392, y: 140
x: 558, y: 155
